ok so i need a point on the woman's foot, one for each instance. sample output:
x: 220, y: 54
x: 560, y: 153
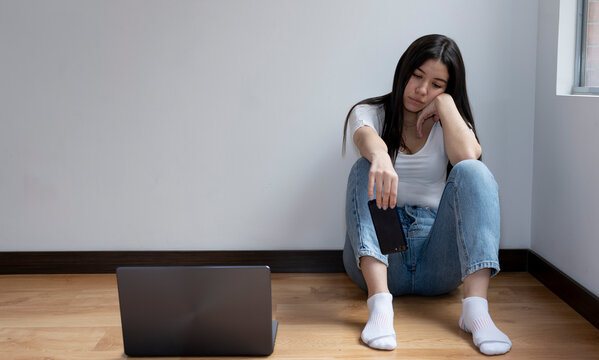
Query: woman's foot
x: 475, y: 319
x: 378, y: 332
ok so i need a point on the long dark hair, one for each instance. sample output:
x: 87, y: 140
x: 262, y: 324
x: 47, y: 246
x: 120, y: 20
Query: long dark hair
x: 437, y: 47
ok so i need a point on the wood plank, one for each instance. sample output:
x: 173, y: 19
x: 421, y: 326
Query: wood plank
x: 321, y: 317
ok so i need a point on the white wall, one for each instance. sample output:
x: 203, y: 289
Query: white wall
x: 565, y: 229
x: 217, y: 124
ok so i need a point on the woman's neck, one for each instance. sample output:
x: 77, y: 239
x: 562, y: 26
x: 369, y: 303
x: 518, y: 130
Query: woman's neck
x: 409, y: 119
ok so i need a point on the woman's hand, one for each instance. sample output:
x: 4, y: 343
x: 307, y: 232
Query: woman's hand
x: 460, y: 141
x: 383, y: 175
x: 429, y: 111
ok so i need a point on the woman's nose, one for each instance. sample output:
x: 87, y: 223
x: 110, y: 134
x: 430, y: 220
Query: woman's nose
x: 421, y: 89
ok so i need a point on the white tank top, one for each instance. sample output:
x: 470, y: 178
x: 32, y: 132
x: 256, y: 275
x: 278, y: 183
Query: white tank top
x: 421, y: 175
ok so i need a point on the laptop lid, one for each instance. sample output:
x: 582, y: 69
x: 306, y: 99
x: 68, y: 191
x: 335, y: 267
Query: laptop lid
x: 196, y: 310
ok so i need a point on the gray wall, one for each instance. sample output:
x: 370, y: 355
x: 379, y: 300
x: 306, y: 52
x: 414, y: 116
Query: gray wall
x: 217, y: 124
x: 566, y: 170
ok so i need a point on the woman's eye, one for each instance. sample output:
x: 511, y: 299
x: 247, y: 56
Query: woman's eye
x: 417, y: 76
x: 437, y: 86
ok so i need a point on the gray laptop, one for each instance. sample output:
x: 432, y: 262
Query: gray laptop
x: 196, y: 310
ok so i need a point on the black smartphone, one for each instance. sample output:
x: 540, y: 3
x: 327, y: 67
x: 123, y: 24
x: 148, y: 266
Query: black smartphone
x: 388, y: 229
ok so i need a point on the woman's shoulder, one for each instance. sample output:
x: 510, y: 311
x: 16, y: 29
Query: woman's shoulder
x: 366, y: 114
x: 368, y: 111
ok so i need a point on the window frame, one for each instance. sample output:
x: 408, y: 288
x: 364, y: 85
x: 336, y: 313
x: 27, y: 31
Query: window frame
x: 581, y: 51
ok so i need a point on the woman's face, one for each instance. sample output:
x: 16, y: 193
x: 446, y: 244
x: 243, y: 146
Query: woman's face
x: 425, y: 84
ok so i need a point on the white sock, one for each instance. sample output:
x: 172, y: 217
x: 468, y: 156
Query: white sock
x: 378, y: 332
x: 475, y: 319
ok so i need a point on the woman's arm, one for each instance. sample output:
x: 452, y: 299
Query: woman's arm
x: 460, y: 142
x: 382, y: 173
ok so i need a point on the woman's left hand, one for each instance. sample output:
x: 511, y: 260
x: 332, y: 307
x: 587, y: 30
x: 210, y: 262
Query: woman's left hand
x: 429, y: 111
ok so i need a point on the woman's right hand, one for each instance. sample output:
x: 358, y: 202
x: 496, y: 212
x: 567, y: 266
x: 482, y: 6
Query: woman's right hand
x: 383, y: 175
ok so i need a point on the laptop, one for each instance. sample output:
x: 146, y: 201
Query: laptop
x: 196, y: 310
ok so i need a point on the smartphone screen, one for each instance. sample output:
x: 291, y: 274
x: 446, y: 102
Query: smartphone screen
x: 388, y: 229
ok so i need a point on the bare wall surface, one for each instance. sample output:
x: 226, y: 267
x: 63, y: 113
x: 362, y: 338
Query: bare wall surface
x: 565, y: 197
x: 218, y: 124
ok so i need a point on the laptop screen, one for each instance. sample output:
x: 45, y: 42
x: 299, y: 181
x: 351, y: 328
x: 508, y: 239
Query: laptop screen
x: 196, y: 310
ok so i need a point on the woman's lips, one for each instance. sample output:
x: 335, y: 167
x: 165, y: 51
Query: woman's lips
x: 415, y: 101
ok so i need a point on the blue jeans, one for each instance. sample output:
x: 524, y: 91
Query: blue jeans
x: 444, y: 246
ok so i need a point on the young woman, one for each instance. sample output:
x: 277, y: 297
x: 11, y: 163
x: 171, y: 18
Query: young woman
x: 421, y: 156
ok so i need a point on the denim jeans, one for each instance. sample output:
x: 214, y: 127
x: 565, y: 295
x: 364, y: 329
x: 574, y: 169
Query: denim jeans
x: 444, y: 246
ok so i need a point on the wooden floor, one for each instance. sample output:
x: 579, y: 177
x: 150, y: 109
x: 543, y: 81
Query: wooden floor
x: 320, y: 317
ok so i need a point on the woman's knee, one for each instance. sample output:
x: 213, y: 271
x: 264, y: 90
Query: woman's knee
x: 473, y: 173
x: 357, y: 182
x: 361, y: 166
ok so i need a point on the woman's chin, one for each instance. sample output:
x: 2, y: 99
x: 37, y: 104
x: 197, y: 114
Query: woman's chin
x: 412, y: 109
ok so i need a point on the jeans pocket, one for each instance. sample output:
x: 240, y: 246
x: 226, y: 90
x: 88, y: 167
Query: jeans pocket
x: 419, y: 231
x: 423, y: 220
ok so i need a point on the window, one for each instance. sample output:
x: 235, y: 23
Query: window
x: 587, y: 52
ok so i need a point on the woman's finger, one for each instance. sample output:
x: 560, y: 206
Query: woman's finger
x: 379, y: 190
x: 393, y: 192
x: 371, y: 180
x: 419, y: 125
x: 386, y: 194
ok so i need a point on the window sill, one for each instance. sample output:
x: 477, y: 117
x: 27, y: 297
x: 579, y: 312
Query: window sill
x: 590, y: 91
